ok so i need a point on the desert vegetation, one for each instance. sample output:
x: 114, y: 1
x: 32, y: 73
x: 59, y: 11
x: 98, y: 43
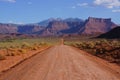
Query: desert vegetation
x: 103, y: 48
x: 16, y: 47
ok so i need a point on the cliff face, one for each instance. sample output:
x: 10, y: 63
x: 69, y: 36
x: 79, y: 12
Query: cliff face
x: 55, y: 28
x: 97, y: 25
x: 8, y: 28
x: 29, y: 29
x: 62, y: 27
x: 99, y: 20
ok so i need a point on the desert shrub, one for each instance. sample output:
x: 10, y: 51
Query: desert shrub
x: 94, y: 52
x: 100, y: 51
x: 39, y: 46
x: 116, y: 44
x: 103, y: 48
x: 8, y: 54
x: 12, y: 47
x: 2, y: 57
x: 34, y: 48
x: 36, y: 44
x: 98, y: 42
x: 116, y: 55
x: 23, y: 51
x: 90, y: 45
x: 109, y: 58
x: 104, y: 41
x: 11, y: 54
x: 25, y: 45
x: 77, y: 45
x: 42, y: 43
x: 82, y: 45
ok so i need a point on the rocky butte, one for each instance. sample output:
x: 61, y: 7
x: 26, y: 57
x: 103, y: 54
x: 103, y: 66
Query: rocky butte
x: 98, y: 25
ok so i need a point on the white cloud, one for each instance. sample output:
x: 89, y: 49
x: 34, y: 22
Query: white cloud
x: 116, y: 10
x: 108, y: 3
x: 15, y: 22
x: 82, y: 4
x: 11, y: 1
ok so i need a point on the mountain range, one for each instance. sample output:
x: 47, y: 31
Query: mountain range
x: 57, y: 27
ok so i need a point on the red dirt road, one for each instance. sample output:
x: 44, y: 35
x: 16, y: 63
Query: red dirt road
x: 62, y: 63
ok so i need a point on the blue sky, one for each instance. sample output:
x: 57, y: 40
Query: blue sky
x: 32, y: 11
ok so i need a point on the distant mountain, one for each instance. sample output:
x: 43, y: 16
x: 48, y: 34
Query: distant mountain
x: 112, y: 34
x: 58, y: 26
x: 77, y: 26
x: 55, y: 28
x: 8, y: 28
x: 73, y: 20
x: 29, y: 29
x: 46, y: 22
x: 97, y: 25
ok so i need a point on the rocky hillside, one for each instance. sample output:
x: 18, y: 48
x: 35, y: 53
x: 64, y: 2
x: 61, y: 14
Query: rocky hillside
x: 89, y: 26
x: 112, y: 34
x: 97, y: 25
x: 8, y: 28
x: 29, y: 29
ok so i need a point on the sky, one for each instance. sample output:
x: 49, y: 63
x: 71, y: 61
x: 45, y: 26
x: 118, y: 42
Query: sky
x: 32, y: 11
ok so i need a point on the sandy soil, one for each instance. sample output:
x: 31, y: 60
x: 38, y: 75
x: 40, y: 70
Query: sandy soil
x: 12, y: 61
x: 62, y: 63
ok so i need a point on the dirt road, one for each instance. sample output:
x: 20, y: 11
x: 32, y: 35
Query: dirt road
x: 61, y: 63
